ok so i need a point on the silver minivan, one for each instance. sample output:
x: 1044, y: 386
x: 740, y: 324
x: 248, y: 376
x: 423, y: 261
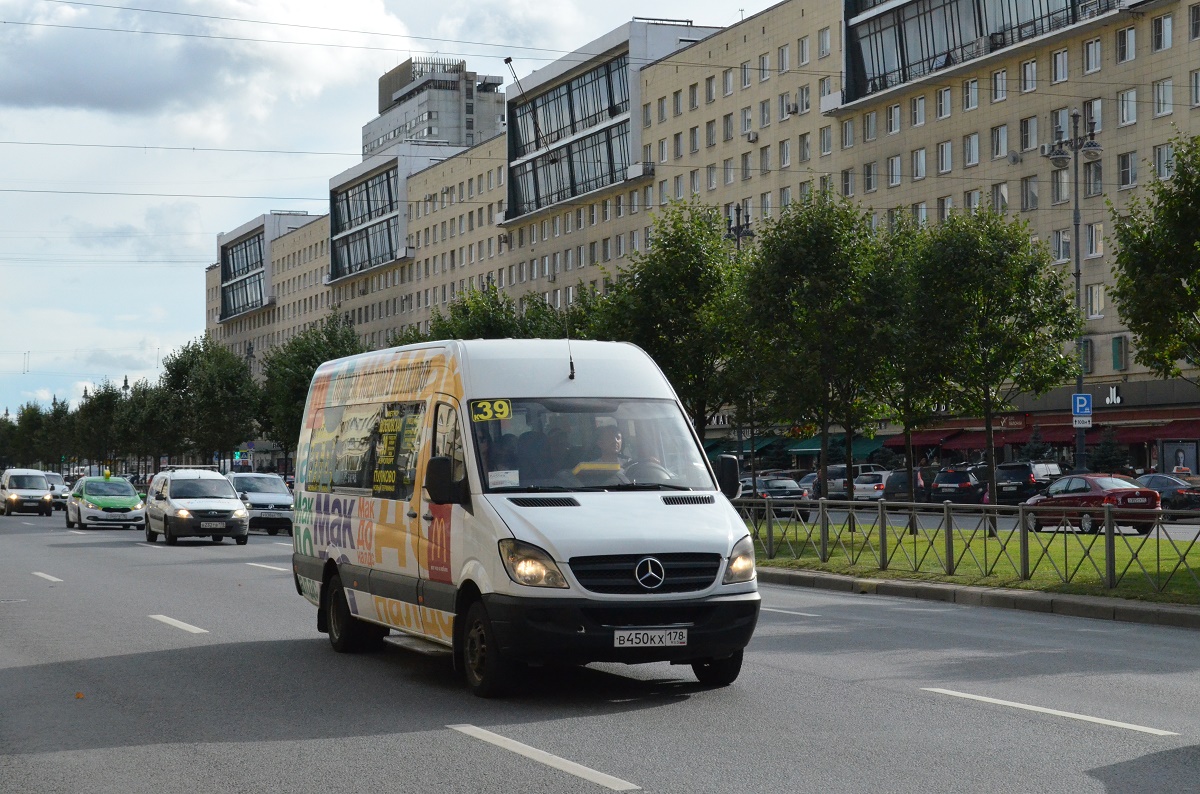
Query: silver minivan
x: 25, y: 491
x: 183, y: 503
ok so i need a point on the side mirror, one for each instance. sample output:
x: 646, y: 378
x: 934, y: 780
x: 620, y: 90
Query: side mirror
x: 141, y: 496
x: 243, y: 495
x: 439, y: 483
x: 727, y: 476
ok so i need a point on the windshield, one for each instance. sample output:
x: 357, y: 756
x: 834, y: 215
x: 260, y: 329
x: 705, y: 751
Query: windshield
x: 952, y: 477
x: 792, y: 484
x: 114, y: 487
x: 54, y: 479
x: 585, y: 444
x: 202, y: 489
x: 260, y: 485
x: 33, y: 482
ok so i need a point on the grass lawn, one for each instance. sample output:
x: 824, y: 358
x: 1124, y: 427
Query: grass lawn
x: 1149, y: 568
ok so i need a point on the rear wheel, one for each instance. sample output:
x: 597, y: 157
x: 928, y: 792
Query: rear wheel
x: 718, y: 672
x: 347, y: 634
x: 487, y: 672
x: 272, y: 530
x: 151, y: 535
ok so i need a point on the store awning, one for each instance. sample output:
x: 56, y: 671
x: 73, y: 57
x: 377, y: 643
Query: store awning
x: 1180, y: 429
x: 713, y: 444
x: 970, y: 439
x: 865, y: 446
x: 760, y: 442
x: 923, y: 438
x: 1140, y: 434
x: 812, y: 446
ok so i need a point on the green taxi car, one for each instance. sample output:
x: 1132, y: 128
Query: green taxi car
x: 105, y: 501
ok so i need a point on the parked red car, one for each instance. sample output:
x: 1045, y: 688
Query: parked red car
x: 1079, y: 499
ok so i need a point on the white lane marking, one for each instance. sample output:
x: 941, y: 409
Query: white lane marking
x: 278, y: 543
x: 47, y: 576
x: 789, y: 612
x: 79, y: 532
x: 542, y: 757
x: 268, y: 567
x: 1054, y: 712
x: 153, y: 545
x: 179, y: 624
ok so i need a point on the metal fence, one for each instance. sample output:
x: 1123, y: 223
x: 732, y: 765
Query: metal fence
x: 1134, y: 551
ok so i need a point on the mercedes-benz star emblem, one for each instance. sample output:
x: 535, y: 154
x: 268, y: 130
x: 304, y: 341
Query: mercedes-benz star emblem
x: 650, y: 573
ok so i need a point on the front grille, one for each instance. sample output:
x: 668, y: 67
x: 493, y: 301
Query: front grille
x: 212, y: 513
x: 656, y: 616
x: 614, y: 573
x: 688, y: 500
x: 116, y: 509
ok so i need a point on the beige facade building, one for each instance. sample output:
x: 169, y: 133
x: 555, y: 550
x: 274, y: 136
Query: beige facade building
x: 924, y: 107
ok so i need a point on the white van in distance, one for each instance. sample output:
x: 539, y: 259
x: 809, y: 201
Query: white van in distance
x: 519, y: 501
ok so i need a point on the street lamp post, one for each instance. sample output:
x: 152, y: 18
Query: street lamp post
x: 1062, y: 155
x: 736, y: 231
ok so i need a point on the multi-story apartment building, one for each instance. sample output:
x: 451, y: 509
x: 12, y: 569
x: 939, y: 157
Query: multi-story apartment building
x: 916, y: 106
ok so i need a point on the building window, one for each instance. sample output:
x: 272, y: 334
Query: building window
x: 710, y: 88
x: 710, y: 133
x: 823, y: 42
x: 918, y: 164
x: 764, y: 67
x: 746, y: 74
x: 1163, y: 92
x: 971, y: 149
x: 662, y: 109
x: 1060, y: 186
x: 729, y: 170
x: 917, y: 110
x: 785, y: 196
x: 870, y: 176
x: 1000, y: 196
x: 1195, y: 83
x: 1058, y: 66
x: 1127, y: 107
x: 1194, y: 21
x: 727, y: 126
x: 1164, y: 161
x: 747, y: 120
x: 869, y: 126
x: 943, y: 103
x: 764, y: 160
x: 677, y: 144
x: 893, y: 169
x: 693, y: 96
x: 920, y: 213
x: 1028, y: 76
x: 893, y: 119
x: 647, y: 118
x: 1091, y: 56
x: 1029, y: 193
x: 785, y: 153
x: 825, y: 86
x: 805, y: 152
x: 1126, y: 44
x: 1093, y: 179
x: 1058, y: 124
x: 1095, y: 239
x: 1091, y: 115
x: 764, y: 113
x: 1029, y: 133
x: 847, y: 133
x: 727, y: 82
x: 1127, y: 169
x: 1120, y: 350
x: 945, y: 155
x: 785, y: 105
x: 826, y: 140
x: 970, y: 94
x: 747, y: 170
x: 848, y: 182
x: 1160, y: 31
x: 972, y: 199
x: 999, y: 85
x: 1060, y: 245
x: 711, y: 173
x: 802, y: 50
x: 785, y: 58
x: 999, y: 141
x: 945, y: 205
x: 694, y: 176
x: 803, y: 99
x: 677, y: 103
x: 694, y: 139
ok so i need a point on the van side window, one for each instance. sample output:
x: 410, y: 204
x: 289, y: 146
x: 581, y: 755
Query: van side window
x: 353, y: 452
x: 447, y: 440
x: 397, y: 443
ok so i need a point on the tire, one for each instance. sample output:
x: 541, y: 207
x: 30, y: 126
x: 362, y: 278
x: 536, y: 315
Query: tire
x: 242, y: 540
x: 151, y: 535
x: 168, y: 538
x: 347, y: 634
x: 718, y: 672
x: 487, y: 672
x: 1032, y: 524
x: 1143, y: 529
x: 272, y: 531
x: 1087, y: 525
x: 218, y: 538
x: 7, y: 509
x: 67, y: 517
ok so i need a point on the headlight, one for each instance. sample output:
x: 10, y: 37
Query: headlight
x: 181, y: 513
x: 741, y: 562
x: 240, y: 513
x: 12, y: 497
x: 529, y: 565
x: 90, y: 506
x: 139, y: 506
x: 48, y: 498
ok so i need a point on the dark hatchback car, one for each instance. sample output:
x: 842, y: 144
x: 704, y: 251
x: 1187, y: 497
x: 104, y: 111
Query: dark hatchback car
x: 896, y: 487
x: 1017, y: 481
x: 1178, y: 491
x: 961, y: 485
x: 779, y: 488
x: 1079, y: 500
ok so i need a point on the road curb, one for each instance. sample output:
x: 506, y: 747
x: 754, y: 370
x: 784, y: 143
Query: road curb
x: 1080, y: 606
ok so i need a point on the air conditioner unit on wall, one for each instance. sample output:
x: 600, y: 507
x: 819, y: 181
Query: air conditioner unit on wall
x: 793, y: 109
x: 1045, y: 149
x: 752, y: 137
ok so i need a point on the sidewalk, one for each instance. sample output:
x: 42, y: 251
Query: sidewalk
x: 1080, y: 606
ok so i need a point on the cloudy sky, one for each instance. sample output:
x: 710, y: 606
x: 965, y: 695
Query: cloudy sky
x: 131, y: 135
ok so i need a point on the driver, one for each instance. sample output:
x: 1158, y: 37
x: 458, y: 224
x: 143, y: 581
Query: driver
x: 605, y: 465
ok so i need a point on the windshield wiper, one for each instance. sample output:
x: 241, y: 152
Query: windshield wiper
x: 643, y: 486
x: 531, y: 489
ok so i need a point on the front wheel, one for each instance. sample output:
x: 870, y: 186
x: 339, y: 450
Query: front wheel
x: 67, y: 517
x: 272, y: 531
x: 718, y: 672
x: 168, y: 538
x: 1143, y: 529
x: 151, y: 535
x: 241, y: 540
x: 487, y: 672
x: 218, y: 538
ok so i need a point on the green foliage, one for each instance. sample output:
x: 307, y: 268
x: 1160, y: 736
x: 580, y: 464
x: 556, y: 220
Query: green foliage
x: 96, y: 422
x: 1108, y: 455
x: 30, y: 420
x: 288, y: 370
x: 219, y: 399
x: 1009, y: 309
x: 1035, y: 448
x: 1157, y: 268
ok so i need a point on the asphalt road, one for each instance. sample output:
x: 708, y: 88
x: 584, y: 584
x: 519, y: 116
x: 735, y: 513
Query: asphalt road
x: 235, y: 691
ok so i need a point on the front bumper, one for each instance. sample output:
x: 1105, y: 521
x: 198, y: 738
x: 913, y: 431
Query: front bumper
x: 578, y: 631
x: 29, y: 504
x: 199, y: 527
x: 271, y: 519
x: 101, y: 517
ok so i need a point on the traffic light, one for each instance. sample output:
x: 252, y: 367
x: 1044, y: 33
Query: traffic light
x: 237, y: 455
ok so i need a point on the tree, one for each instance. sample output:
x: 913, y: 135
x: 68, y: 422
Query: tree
x: 813, y: 298
x: 96, y: 421
x: 218, y: 397
x: 55, y: 437
x: 1157, y: 267
x: 1010, y: 310
x: 1109, y: 455
x: 670, y: 301
x: 288, y: 370
x: 1035, y: 448
x: 26, y: 440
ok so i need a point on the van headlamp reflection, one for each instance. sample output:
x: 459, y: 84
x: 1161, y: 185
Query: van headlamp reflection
x: 529, y: 565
